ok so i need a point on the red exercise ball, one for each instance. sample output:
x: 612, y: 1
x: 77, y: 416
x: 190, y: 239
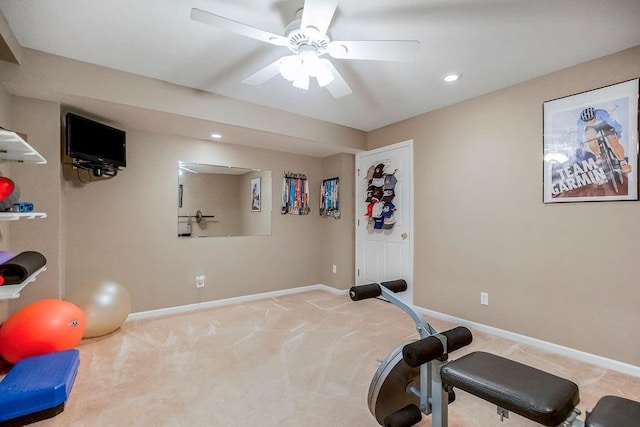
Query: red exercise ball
x: 39, y: 328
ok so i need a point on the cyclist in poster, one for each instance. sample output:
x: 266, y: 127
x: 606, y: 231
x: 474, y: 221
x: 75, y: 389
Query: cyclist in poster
x: 590, y: 149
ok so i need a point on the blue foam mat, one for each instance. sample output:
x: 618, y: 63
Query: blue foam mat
x: 38, y: 383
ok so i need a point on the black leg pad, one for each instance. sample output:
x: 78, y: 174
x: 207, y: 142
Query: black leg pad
x: 537, y: 395
x: 406, y: 417
x: 613, y: 411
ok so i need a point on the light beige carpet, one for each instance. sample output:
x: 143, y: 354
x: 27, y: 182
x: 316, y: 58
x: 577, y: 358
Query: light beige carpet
x: 299, y: 360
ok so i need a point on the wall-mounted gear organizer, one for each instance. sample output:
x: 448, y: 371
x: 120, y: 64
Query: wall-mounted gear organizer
x: 295, y: 194
x: 329, y: 200
x: 380, y: 195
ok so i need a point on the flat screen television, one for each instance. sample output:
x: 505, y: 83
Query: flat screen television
x: 96, y: 143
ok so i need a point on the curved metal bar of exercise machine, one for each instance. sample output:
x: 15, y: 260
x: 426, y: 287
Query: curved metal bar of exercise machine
x: 426, y: 393
x: 387, y: 290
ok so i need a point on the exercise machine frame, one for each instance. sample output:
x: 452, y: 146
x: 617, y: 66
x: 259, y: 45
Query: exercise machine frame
x: 431, y: 393
x: 430, y: 354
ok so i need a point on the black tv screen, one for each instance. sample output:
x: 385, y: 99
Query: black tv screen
x: 95, y: 142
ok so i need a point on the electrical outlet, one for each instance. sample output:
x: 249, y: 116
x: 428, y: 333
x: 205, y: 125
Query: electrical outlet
x: 200, y: 281
x: 484, y: 298
x: 335, y: 268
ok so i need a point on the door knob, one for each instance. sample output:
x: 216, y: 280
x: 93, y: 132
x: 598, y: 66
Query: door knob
x: 404, y: 236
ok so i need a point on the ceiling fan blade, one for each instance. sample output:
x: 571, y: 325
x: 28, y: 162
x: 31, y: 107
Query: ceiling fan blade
x: 267, y: 73
x: 318, y: 14
x: 223, y: 23
x: 375, y: 50
x: 338, y: 87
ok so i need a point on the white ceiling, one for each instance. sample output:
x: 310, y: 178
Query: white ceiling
x: 493, y: 43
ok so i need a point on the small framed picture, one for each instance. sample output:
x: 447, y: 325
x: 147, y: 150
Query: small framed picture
x: 591, y: 145
x: 255, y: 195
x: 329, y: 200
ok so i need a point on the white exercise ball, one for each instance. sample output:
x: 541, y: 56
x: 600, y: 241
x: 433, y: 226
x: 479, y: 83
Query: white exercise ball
x: 106, y: 306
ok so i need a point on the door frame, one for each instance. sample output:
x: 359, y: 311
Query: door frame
x: 359, y: 176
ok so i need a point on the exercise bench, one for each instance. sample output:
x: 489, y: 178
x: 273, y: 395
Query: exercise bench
x: 417, y: 378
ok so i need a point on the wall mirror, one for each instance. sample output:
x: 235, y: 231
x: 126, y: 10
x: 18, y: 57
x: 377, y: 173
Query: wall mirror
x: 216, y: 201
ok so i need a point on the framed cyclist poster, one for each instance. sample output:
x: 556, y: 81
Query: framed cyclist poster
x: 591, y: 145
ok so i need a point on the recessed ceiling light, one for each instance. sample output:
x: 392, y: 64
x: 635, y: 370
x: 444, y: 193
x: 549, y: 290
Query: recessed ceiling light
x: 452, y: 77
x: 216, y: 135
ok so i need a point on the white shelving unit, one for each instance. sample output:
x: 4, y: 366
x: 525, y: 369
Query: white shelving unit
x: 13, y: 291
x: 14, y: 148
x: 14, y: 216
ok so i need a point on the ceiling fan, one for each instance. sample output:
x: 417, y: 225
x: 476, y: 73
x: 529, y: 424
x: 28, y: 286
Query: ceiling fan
x: 308, y: 41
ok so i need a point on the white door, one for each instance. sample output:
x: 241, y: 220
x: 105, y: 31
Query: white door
x: 386, y: 254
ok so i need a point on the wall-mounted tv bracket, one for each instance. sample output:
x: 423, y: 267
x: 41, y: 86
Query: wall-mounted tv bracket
x: 98, y: 169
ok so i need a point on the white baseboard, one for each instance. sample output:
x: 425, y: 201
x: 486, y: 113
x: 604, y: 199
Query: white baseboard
x: 554, y: 348
x: 534, y: 342
x: 229, y: 301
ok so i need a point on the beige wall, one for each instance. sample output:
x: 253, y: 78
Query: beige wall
x: 552, y: 272
x: 339, y: 235
x: 124, y: 229
x: 5, y: 108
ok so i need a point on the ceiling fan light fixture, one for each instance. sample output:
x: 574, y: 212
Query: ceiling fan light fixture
x: 309, y: 62
x: 301, y: 81
x: 307, y: 36
x: 290, y: 67
x: 299, y: 68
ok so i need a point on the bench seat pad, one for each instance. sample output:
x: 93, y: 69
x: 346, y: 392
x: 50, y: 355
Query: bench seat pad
x: 613, y: 411
x: 537, y: 395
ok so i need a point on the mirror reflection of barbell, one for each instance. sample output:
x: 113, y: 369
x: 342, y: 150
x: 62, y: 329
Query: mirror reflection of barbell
x: 199, y: 216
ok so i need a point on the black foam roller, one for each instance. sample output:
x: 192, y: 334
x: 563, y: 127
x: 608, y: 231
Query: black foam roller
x: 23, y: 265
x: 457, y: 338
x: 430, y: 348
x: 408, y: 416
x: 395, y: 285
x: 361, y: 292
x: 422, y: 351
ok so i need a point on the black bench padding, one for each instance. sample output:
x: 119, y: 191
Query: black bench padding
x: 537, y: 395
x: 613, y: 411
